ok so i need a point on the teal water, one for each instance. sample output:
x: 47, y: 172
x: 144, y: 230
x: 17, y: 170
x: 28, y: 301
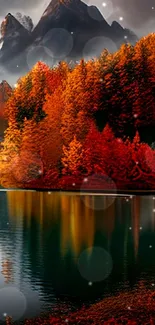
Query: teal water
x: 57, y: 248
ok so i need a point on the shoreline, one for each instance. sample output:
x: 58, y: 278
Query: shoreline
x: 84, y: 192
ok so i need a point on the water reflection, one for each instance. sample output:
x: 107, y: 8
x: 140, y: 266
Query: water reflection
x: 43, y: 235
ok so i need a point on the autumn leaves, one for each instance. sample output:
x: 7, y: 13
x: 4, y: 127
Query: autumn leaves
x: 83, y: 120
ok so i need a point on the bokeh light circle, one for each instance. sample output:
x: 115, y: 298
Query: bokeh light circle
x: 95, y: 264
x: 95, y: 46
x: 38, y: 53
x: 58, y: 43
x: 98, y: 186
x: 12, y: 303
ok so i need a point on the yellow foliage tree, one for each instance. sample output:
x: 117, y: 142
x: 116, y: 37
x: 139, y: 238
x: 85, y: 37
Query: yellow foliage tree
x: 73, y: 158
x: 9, y: 152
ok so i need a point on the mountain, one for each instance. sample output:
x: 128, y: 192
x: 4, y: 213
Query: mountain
x: 5, y: 92
x: 118, y: 32
x: 66, y: 26
x: 72, y: 15
x: 15, y: 38
x: 78, y: 23
x: 67, y: 30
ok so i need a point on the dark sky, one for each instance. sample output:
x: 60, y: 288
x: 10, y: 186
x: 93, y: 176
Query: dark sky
x: 137, y: 14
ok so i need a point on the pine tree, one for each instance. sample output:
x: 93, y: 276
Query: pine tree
x: 75, y: 108
x: 10, y: 149
x: 73, y: 158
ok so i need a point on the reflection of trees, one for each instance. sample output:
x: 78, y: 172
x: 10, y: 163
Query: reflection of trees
x: 57, y: 227
x: 7, y: 270
x: 105, y: 220
x: 77, y: 221
x: 136, y: 206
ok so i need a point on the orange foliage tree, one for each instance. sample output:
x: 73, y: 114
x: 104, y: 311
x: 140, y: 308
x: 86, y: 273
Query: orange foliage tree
x: 75, y: 105
x: 73, y: 158
x: 144, y: 105
x: 10, y: 149
x: 82, y: 120
x: 30, y: 93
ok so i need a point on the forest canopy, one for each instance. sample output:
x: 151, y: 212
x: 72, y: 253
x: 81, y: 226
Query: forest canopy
x: 73, y: 122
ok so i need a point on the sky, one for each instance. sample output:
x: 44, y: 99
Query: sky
x: 139, y: 15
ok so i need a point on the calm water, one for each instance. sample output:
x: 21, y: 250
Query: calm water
x: 58, y: 247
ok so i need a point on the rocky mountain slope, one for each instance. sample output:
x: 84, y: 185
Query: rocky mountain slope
x: 65, y: 30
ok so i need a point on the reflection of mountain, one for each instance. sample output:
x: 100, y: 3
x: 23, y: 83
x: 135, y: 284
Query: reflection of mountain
x: 64, y: 28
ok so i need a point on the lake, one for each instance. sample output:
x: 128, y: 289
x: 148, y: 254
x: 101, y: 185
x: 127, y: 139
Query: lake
x: 58, y: 248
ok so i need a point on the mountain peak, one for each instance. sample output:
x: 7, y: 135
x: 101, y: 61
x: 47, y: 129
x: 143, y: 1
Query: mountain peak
x: 10, y: 25
x: 69, y: 14
x: 13, y: 34
x: 67, y: 29
x: 117, y: 26
x: 54, y: 6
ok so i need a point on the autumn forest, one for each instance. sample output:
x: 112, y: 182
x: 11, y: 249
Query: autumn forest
x: 84, y: 125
